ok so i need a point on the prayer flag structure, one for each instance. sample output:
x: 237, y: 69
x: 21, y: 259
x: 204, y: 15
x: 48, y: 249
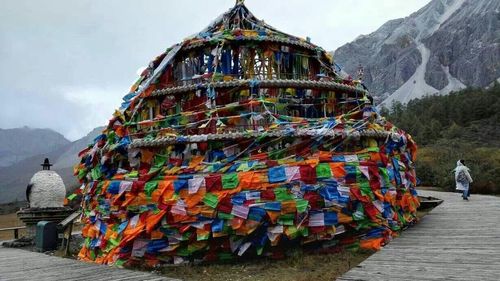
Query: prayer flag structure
x: 236, y: 142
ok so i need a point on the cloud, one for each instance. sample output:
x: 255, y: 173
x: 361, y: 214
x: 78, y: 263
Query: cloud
x: 96, y: 105
x: 66, y: 64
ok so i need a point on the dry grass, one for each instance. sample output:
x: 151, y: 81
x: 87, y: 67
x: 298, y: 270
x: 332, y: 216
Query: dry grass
x: 299, y: 266
x: 9, y: 220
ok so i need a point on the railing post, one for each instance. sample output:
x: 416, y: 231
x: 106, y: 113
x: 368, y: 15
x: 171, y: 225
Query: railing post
x: 16, y: 233
x: 68, y: 241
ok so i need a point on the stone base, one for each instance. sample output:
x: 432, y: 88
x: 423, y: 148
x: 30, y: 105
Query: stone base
x: 19, y: 243
x: 31, y: 216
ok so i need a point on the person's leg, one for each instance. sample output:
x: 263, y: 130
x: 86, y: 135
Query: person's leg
x: 466, y: 191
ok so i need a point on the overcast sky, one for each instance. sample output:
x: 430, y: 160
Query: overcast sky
x: 65, y: 65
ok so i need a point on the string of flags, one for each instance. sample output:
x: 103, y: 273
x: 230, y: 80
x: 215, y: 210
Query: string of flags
x: 196, y: 166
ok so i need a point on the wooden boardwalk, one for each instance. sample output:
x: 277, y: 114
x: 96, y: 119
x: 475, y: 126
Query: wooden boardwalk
x: 16, y: 264
x: 458, y: 240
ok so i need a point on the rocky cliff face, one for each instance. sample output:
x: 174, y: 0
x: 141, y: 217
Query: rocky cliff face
x: 445, y: 46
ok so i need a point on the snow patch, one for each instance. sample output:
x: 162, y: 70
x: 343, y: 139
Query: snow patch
x: 415, y: 87
x: 453, y: 83
x: 425, y: 24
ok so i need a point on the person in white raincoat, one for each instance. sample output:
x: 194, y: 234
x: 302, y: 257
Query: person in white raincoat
x: 463, y: 178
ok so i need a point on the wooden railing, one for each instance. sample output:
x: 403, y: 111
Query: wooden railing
x: 65, y: 227
x: 15, y: 229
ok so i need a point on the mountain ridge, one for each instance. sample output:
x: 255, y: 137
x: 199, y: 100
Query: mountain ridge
x: 17, y: 144
x: 445, y: 46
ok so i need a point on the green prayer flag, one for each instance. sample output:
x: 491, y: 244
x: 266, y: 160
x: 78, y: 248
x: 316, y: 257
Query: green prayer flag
x: 133, y: 174
x: 211, y: 200
x: 120, y: 262
x: 364, y: 156
x: 323, y: 170
x: 159, y: 160
x: 87, y: 242
x: 200, y: 237
x: 72, y: 196
x: 354, y: 247
x: 230, y: 181
x: 225, y: 256
x: 292, y: 232
x: 243, y: 167
x: 286, y: 219
x: 224, y: 216
x: 304, y: 231
x: 195, y: 247
x: 359, y: 214
x: 302, y: 205
x: 154, y: 170
x: 385, y: 175
x: 96, y: 173
x: 259, y: 250
x: 82, y: 173
x: 114, y: 242
x: 282, y: 194
x: 182, y: 252
x: 149, y: 187
x: 364, y: 186
x: 111, y: 138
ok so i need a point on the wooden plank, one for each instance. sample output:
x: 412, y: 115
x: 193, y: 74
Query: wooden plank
x: 458, y: 240
x: 12, y: 228
x: 17, y: 264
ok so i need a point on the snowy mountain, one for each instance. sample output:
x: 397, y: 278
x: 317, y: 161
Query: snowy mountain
x: 445, y: 46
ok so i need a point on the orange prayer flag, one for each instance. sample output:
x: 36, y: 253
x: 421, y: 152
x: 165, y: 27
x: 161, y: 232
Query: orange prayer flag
x: 104, y: 187
x: 128, y: 199
x: 273, y: 216
x: 288, y: 207
x: 153, y: 220
x: 245, y: 179
x: 156, y: 234
x: 259, y: 179
x: 84, y: 254
x: 371, y: 244
x: 379, y: 195
x: 195, y: 161
x: 147, y: 156
x: 192, y: 200
x: 338, y: 169
x: 344, y: 219
x: 236, y: 223
x: 325, y: 156
x: 85, y: 230
x: 313, y: 162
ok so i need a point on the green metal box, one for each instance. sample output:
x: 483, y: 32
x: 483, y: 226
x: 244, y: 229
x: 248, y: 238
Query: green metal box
x: 46, y: 236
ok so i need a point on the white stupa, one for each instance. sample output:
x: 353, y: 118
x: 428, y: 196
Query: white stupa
x: 47, y: 190
x: 45, y: 193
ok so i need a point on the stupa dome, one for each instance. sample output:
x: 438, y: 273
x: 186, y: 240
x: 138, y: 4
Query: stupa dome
x: 47, y: 190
